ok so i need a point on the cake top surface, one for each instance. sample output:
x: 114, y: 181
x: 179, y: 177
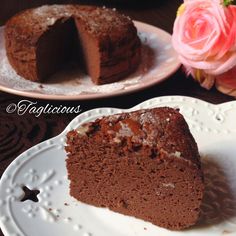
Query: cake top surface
x: 163, y: 129
x: 105, y: 21
x: 39, y: 19
x: 102, y: 22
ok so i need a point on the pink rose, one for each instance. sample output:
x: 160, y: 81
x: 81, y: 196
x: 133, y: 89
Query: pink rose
x: 204, y: 36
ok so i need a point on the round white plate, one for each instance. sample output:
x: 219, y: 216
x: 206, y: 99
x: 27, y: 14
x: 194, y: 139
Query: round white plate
x: 56, y: 213
x: 158, y: 62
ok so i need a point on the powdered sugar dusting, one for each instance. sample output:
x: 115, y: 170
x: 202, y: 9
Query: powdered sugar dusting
x: 50, y: 14
x: 52, y: 9
x: 72, y: 81
x: 51, y: 20
x: 147, y: 117
x: 125, y: 130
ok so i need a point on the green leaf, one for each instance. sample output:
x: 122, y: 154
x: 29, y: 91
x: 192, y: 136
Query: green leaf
x: 228, y: 2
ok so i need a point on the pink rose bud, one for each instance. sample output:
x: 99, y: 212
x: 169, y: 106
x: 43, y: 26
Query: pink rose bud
x: 204, y: 36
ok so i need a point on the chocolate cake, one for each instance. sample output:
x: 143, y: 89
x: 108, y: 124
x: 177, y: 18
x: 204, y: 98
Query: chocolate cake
x: 40, y: 41
x: 143, y: 164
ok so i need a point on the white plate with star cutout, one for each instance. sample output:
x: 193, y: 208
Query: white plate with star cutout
x: 159, y: 61
x: 42, y: 168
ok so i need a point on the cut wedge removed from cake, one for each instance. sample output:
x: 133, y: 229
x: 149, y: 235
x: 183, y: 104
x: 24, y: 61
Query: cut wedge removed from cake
x: 143, y: 164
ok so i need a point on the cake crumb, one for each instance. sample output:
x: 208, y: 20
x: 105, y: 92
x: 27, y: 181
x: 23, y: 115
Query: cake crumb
x: 116, y: 140
x: 177, y: 154
x: 168, y: 185
x: 83, y: 129
x: 145, y: 228
x: 66, y: 204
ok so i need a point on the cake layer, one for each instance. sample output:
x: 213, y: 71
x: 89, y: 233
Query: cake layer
x: 143, y: 164
x: 119, y: 70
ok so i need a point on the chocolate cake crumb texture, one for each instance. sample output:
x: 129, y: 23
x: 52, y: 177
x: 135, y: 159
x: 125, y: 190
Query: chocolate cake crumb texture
x: 143, y: 164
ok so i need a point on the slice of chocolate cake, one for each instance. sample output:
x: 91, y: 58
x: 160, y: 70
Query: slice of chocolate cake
x: 143, y: 164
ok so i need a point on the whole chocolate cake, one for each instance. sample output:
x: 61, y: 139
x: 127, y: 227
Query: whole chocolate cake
x: 143, y: 164
x: 40, y: 41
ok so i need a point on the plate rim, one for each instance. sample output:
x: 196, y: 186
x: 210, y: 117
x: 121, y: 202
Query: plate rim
x: 93, y: 96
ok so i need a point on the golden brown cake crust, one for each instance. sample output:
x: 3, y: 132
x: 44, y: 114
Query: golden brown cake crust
x: 115, y: 34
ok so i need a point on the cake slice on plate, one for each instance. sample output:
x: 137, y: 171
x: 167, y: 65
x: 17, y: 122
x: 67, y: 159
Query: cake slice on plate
x: 143, y: 164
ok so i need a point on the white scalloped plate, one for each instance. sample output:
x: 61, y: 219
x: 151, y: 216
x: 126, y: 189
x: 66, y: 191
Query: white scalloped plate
x: 158, y: 62
x: 56, y: 213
